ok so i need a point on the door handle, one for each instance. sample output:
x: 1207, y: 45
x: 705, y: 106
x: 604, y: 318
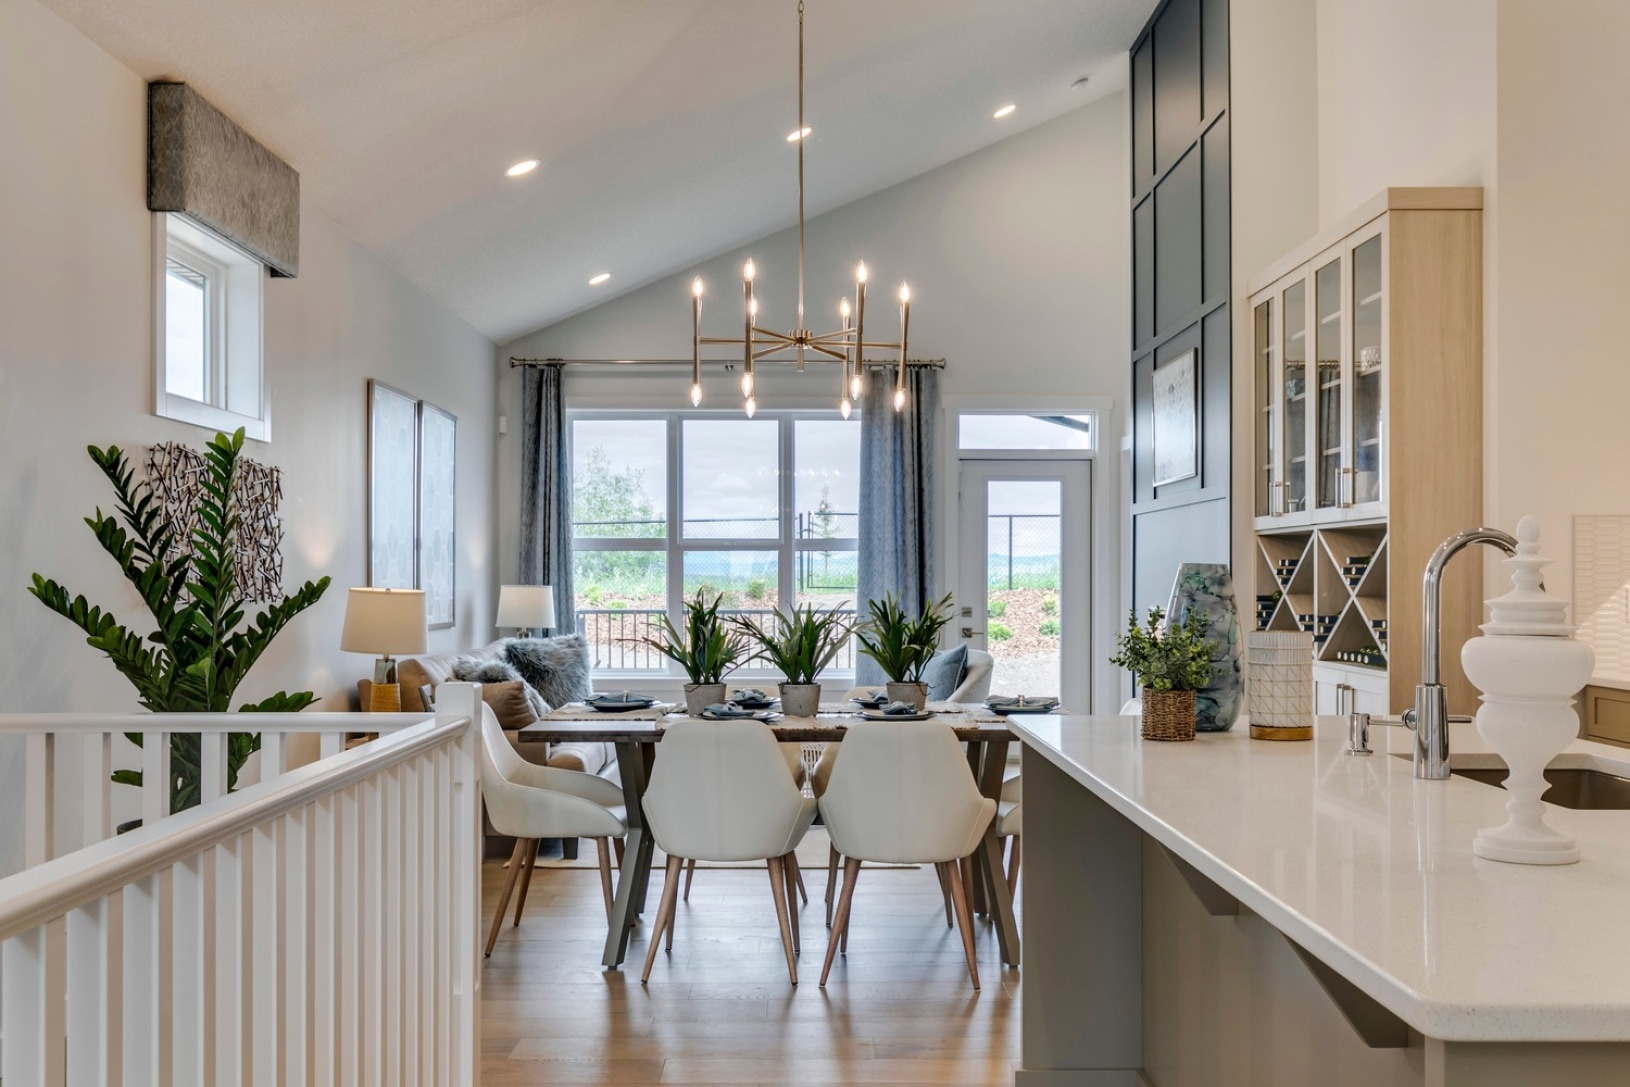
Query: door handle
x: 969, y: 632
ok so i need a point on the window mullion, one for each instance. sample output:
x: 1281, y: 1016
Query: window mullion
x: 676, y: 528
x: 785, y: 590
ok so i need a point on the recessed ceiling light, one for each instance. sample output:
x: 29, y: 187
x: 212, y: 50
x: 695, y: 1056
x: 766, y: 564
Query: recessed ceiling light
x: 1079, y: 83
x: 1005, y: 110
x: 525, y: 166
x: 794, y: 137
x: 599, y: 279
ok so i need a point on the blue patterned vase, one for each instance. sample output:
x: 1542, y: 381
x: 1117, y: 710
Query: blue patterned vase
x: 1209, y: 588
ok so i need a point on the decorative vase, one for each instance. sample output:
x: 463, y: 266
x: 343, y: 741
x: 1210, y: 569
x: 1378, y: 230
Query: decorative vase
x: 914, y: 693
x: 699, y: 696
x: 1168, y: 715
x: 800, y: 699
x: 1208, y: 587
x: 1528, y: 666
x: 1281, y: 689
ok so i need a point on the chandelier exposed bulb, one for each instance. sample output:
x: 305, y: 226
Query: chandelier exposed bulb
x: 854, y: 384
x: 749, y: 271
x: 860, y: 273
x: 845, y: 408
x: 747, y: 385
x: 905, y: 292
x: 899, y: 400
x: 696, y: 287
x: 696, y: 396
x: 843, y: 308
x: 752, y: 407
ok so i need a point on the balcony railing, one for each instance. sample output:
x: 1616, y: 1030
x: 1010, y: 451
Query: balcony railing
x: 614, y: 636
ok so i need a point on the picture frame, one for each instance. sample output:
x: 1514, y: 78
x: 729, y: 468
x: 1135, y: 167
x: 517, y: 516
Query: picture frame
x: 438, y: 520
x: 393, y: 488
x: 1175, y: 422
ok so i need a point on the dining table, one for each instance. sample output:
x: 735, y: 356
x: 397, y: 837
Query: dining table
x: 636, y: 740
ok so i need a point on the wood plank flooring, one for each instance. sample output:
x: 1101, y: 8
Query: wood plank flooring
x: 898, y: 1009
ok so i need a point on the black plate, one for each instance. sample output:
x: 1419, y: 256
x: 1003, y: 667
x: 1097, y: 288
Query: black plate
x: 1007, y: 709
x: 765, y: 716
x: 755, y: 704
x: 619, y: 706
x: 871, y: 703
x: 894, y: 716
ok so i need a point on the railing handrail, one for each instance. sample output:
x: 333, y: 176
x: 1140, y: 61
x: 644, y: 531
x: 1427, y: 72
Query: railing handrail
x: 206, y: 723
x: 53, y: 888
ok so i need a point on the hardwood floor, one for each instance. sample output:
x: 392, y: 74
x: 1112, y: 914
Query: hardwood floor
x: 898, y: 1009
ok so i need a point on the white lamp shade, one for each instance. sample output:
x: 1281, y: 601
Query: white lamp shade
x: 386, y: 622
x: 526, y: 606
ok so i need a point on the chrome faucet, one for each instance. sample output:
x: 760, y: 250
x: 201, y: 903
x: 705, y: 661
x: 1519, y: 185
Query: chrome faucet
x: 1430, y: 719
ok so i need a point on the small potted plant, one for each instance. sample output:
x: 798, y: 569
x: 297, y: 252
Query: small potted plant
x: 1170, y: 663
x: 708, y: 649
x: 903, y: 644
x: 800, y: 643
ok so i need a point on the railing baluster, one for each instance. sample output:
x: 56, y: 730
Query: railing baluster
x: 330, y: 743
x: 324, y: 927
x: 98, y: 789
x: 270, y: 948
x: 369, y: 991
x: 155, y: 777
x: 32, y: 1026
x: 391, y: 902
x: 412, y: 927
x: 39, y: 836
x: 212, y: 766
x: 274, y: 759
x: 90, y: 1059
x: 430, y: 919
x: 347, y: 951
x: 189, y: 995
x: 142, y: 997
x: 226, y: 994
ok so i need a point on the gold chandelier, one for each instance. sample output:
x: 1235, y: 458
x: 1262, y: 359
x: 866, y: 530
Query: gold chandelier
x: 846, y: 346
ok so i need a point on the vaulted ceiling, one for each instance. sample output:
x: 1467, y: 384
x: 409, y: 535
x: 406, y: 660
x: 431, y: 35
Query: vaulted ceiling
x: 661, y: 124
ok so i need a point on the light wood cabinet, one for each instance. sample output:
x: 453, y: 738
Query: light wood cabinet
x: 1367, y: 358
x: 1607, y: 715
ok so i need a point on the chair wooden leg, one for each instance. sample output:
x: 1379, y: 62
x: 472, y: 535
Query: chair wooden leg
x: 603, y: 846
x: 1013, y: 867
x: 965, y: 870
x: 673, y: 916
x: 515, y: 861
x: 617, y: 844
x: 851, y: 871
x: 792, y: 902
x: 777, y: 891
x: 832, y: 859
x: 943, y: 872
x: 690, y: 873
x: 964, y: 916
x: 670, y: 891
x: 797, y: 876
x: 526, y: 879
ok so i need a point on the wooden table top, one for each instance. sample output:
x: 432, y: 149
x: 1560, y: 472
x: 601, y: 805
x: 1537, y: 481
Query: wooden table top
x: 826, y: 730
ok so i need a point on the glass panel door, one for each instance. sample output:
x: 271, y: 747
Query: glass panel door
x: 1266, y: 446
x: 1023, y: 591
x: 1295, y: 411
x: 1328, y: 406
x: 1368, y: 361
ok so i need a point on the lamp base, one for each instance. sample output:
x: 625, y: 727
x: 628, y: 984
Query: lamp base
x: 385, y: 698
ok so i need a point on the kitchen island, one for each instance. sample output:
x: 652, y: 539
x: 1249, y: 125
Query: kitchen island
x: 1231, y: 911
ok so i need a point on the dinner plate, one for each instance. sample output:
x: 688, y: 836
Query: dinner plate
x: 620, y: 706
x: 756, y: 704
x: 871, y: 715
x: 765, y: 716
x: 871, y: 703
x: 1006, y: 709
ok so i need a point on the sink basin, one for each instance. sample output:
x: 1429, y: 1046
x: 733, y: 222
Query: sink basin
x: 1575, y: 787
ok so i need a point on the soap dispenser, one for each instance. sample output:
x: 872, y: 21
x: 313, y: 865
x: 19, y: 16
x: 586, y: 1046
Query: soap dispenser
x: 1528, y: 665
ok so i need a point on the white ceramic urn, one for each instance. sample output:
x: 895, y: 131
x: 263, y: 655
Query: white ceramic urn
x: 1528, y: 666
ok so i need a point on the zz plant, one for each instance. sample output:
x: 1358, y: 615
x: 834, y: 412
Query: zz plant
x: 1174, y: 657
x: 801, y: 642
x: 202, y: 650
x: 708, y: 648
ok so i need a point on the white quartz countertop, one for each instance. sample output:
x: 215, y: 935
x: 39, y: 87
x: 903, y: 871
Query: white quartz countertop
x: 1372, y: 871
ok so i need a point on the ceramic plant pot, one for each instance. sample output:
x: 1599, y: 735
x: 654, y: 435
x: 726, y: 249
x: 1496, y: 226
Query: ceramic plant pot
x: 699, y: 696
x: 914, y: 693
x: 800, y: 699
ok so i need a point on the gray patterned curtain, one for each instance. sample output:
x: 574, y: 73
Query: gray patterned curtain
x: 546, y: 490
x: 898, y: 454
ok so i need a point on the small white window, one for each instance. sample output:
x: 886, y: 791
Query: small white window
x: 1031, y: 431
x: 207, y: 316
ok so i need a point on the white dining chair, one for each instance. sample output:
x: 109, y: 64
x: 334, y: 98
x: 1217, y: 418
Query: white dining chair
x: 720, y: 792
x: 533, y: 802
x: 1010, y: 827
x: 794, y: 754
x: 901, y: 793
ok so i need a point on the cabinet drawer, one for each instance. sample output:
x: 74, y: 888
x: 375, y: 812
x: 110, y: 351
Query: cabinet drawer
x: 1607, y: 715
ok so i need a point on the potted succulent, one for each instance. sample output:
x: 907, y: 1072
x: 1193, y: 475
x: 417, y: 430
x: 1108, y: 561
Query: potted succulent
x: 800, y: 643
x: 1170, y: 663
x: 903, y: 644
x: 707, y: 650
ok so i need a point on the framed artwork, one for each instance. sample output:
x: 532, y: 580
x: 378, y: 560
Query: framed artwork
x: 393, y: 488
x: 1176, y: 420
x: 438, y: 464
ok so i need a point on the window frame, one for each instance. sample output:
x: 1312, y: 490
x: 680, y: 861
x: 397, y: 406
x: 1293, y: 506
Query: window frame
x: 958, y: 452
x: 674, y: 544
x: 234, y: 318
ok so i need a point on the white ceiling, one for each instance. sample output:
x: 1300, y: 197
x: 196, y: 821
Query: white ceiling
x: 661, y: 124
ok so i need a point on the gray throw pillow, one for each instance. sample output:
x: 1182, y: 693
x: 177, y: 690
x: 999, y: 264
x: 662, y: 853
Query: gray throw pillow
x: 487, y: 670
x: 557, y: 668
x: 944, y: 673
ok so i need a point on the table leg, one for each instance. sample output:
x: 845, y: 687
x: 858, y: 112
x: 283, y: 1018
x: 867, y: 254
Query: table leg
x: 988, y: 857
x: 634, y: 873
x: 976, y: 766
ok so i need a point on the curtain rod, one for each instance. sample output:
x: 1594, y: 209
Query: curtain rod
x: 728, y: 364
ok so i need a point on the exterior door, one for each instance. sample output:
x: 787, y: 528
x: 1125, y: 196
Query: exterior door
x: 1024, y: 595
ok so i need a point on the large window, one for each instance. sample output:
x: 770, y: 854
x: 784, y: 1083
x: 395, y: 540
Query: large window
x: 762, y: 511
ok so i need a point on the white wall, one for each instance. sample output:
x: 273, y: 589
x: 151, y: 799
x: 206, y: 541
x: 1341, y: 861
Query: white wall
x: 75, y: 369
x: 1018, y: 259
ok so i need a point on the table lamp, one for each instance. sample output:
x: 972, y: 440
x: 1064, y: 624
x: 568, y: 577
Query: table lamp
x: 526, y: 607
x: 386, y: 622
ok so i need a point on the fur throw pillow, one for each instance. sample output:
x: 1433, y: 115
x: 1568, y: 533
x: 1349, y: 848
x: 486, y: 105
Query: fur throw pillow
x: 487, y: 670
x: 557, y: 668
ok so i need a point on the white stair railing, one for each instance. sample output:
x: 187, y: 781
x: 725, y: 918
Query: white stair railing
x: 317, y: 928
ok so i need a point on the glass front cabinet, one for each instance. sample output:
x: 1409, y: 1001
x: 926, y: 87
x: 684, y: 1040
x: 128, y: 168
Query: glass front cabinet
x: 1319, y: 342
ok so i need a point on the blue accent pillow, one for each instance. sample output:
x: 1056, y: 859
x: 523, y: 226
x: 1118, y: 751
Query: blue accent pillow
x: 944, y: 673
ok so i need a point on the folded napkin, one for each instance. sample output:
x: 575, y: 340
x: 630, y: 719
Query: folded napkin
x: 894, y: 709
x: 727, y: 710
x: 1028, y: 702
x: 751, y: 694
x: 626, y: 697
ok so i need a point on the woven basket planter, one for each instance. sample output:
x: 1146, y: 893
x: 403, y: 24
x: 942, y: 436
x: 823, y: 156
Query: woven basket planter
x: 1168, y: 715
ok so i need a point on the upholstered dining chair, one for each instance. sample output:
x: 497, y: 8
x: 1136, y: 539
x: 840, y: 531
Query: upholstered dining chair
x: 901, y: 793
x: 794, y: 754
x: 720, y: 792
x: 533, y: 802
x: 1010, y: 826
